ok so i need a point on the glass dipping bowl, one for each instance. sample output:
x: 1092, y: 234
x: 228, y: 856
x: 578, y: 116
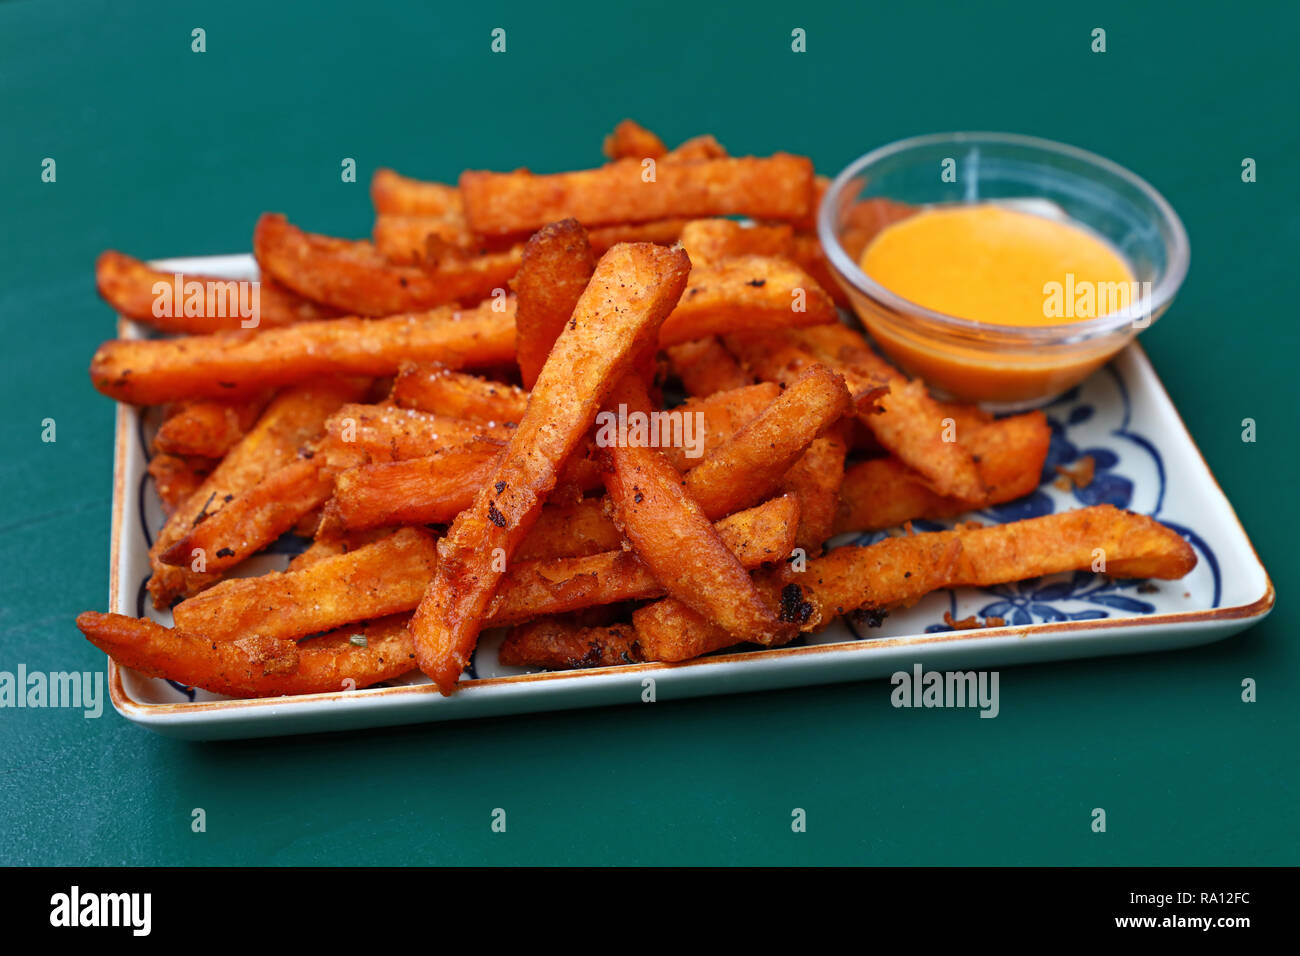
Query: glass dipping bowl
x: 1003, y: 367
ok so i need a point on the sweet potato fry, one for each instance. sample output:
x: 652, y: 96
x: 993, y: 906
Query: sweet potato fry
x: 751, y: 465
x: 235, y: 364
x: 746, y: 292
x: 208, y: 428
x: 356, y: 656
x: 777, y: 187
x: 256, y: 518
x: 406, y: 240
x: 373, y: 581
x: 884, y: 492
x: 293, y: 419
x: 629, y: 296
x: 697, y: 148
x: 392, y: 574
x: 807, y: 251
x: 631, y: 140
x: 432, y: 388
x: 663, y: 232
x: 428, y: 490
x: 176, y: 478
x: 327, y: 545
x: 353, y: 276
x: 899, y: 570
x: 557, y: 265
x: 403, y: 196
x: 708, y: 240
x: 705, y: 367
x: 530, y: 589
x: 569, y: 530
x: 388, y: 433
x: 133, y: 289
x: 556, y: 644
x: 672, y: 535
x: 815, y: 481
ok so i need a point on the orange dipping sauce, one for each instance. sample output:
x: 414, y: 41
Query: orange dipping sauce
x: 1005, y: 269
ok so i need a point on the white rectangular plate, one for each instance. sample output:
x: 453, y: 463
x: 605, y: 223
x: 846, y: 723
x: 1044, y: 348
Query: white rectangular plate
x: 1122, y: 417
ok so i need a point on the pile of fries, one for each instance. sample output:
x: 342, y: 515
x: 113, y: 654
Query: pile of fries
x: 425, y: 408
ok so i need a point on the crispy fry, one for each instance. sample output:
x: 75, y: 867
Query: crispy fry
x: 392, y: 574
x: 570, y: 530
x: 777, y: 187
x: 708, y: 240
x: 388, y: 433
x: 405, y: 240
x: 631, y: 140
x: 557, y: 265
x: 807, y: 251
x: 556, y: 644
x: 256, y: 666
x: 746, y: 292
x: 884, y: 492
x: 432, y: 388
x: 671, y: 533
x: 354, y: 277
x: 530, y: 589
x: 235, y: 364
x: 751, y: 465
x: 208, y: 428
x: 132, y: 288
x: 293, y: 419
x: 663, y: 232
x: 815, y: 480
x: 617, y: 317
x: 177, y: 478
x: 426, y: 490
x: 697, y: 148
x: 705, y: 367
x: 403, y: 196
x: 899, y: 570
x: 326, y: 545
x: 256, y: 518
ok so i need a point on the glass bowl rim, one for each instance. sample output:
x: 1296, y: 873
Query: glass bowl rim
x: 1178, y: 249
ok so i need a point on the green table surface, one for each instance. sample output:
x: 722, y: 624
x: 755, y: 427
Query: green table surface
x: 161, y: 151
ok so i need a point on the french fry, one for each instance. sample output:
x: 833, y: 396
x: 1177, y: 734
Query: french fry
x: 806, y: 249
x: 391, y: 575
x: 570, y: 530
x: 557, y: 265
x: 746, y: 292
x: 255, y: 518
x: 208, y: 428
x: 403, y: 196
x: 776, y: 187
x: 663, y: 232
x: 630, y: 294
x: 405, y: 240
x: 899, y: 570
x: 235, y: 364
x: 354, y: 277
x: 327, y: 545
x: 176, y: 478
x: 708, y: 240
x: 671, y: 533
x: 704, y: 367
x: 293, y: 419
x: 631, y: 140
x: 815, y: 480
x: 134, y: 289
x: 256, y: 666
x: 426, y: 490
x: 559, y: 645
x: 751, y: 465
x: 697, y: 148
x: 432, y: 388
x: 389, y: 433
x: 757, y: 536
x: 884, y: 492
